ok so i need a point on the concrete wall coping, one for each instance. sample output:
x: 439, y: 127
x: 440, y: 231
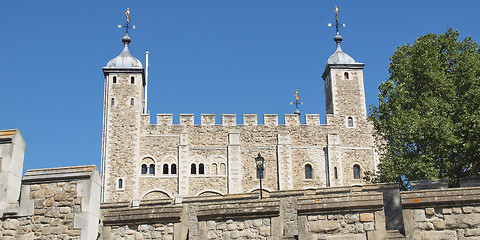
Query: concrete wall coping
x: 440, y: 197
x: 58, y: 174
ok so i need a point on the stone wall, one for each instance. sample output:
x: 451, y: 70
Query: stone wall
x: 58, y: 203
x: 63, y: 203
x: 229, y: 149
x: 358, y: 212
x: 323, y: 213
x: 442, y: 213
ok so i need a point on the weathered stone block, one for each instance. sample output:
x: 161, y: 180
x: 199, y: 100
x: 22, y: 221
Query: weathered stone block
x: 366, y: 217
x: 429, y: 211
x: 235, y: 234
x: 419, y: 215
x: 352, y: 218
x: 377, y: 235
x: 438, y: 224
x: 439, y: 235
x: 472, y: 232
x: 210, y: 224
x: 212, y: 235
x: 468, y: 209
x: 207, y: 119
x: 265, y: 230
x: 346, y: 237
x: 447, y: 211
x: 462, y: 221
x: 28, y: 236
x: 270, y: 119
x: 457, y: 210
x: 324, y: 226
x: 369, y: 226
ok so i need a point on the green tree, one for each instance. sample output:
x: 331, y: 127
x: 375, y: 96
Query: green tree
x: 428, y: 118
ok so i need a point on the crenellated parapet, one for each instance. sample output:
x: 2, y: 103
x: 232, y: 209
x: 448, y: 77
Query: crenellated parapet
x: 269, y: 120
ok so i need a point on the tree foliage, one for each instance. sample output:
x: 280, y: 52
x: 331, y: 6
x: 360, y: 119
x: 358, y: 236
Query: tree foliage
x: 428, y: 118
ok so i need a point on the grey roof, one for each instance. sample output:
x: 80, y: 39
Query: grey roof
x: 125, y: 59
x: 339, y: 57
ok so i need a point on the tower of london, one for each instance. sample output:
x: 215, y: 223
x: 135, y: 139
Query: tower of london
x: 141, y: 160
x: 160, y: 180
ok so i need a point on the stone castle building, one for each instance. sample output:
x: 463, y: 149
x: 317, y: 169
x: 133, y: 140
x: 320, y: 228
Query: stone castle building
x: 141, y: 160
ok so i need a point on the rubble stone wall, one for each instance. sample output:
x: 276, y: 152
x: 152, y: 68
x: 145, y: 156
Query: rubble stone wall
x: 60, y: 203
x: 442, y: 214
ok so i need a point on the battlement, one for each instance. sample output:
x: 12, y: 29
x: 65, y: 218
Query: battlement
x: 269, y: 120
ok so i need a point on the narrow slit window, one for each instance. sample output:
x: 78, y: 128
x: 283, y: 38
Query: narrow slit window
x: 356, y: 171
x: 308, y: 171
x: 335, y: 173
x: 350, y: 121
x: 165, y: 168
x: 151, y: 169
x: 114, y: 79
x: 193, y: 169
x: 132, y: 80
x: 132, y: 101
x: 120, y: 183
x: 173, y: 169
x: 345, y: 75
x: 201, y: 168
x: 112, y: 102
x: 144, y: 168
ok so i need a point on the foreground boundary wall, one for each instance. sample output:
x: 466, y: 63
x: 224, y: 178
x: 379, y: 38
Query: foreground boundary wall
x: 63, y: 203
x: 55, y: 203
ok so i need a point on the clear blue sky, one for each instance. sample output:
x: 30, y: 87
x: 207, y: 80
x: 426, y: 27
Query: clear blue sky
x: 208, y: 56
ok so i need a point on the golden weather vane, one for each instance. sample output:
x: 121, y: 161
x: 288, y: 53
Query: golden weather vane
x: 297, y: 102
x: 127, y: 25
x: 336, y: 10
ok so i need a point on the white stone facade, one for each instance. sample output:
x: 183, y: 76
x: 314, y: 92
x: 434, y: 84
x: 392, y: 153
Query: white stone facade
x: 168, y: 160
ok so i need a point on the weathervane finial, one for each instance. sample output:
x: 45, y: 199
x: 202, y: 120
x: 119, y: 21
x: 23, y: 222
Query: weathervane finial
x: 337, y: 29
x: 336, y: 18
x: 297, y: 102
x: 127, y: 24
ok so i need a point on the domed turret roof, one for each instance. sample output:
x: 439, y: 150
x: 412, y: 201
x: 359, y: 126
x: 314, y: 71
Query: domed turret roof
x: 339, y: 57
x: 125, y: 59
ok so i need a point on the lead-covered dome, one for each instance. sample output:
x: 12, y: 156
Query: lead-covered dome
x: 125, y: 59
x: 339, y: 57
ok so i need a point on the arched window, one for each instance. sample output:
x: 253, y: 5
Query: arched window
x: 144, y: 168
x: 132, y: 80
x: 151, y: 169
x: 132, y: 101
x: 112, y: 101
x: 114, y: 79
x: 308, y: 171
x: 201, y: 168
x: 120, y: 183
x: 223, y: 169
x: 173, y: 169
x: 165, y: 168
x: 214, y: 169
x: 193, y: 169
x: 356, y: 171
x: 345, y: 75
x: 350, y: 121
x: 335, y: 173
